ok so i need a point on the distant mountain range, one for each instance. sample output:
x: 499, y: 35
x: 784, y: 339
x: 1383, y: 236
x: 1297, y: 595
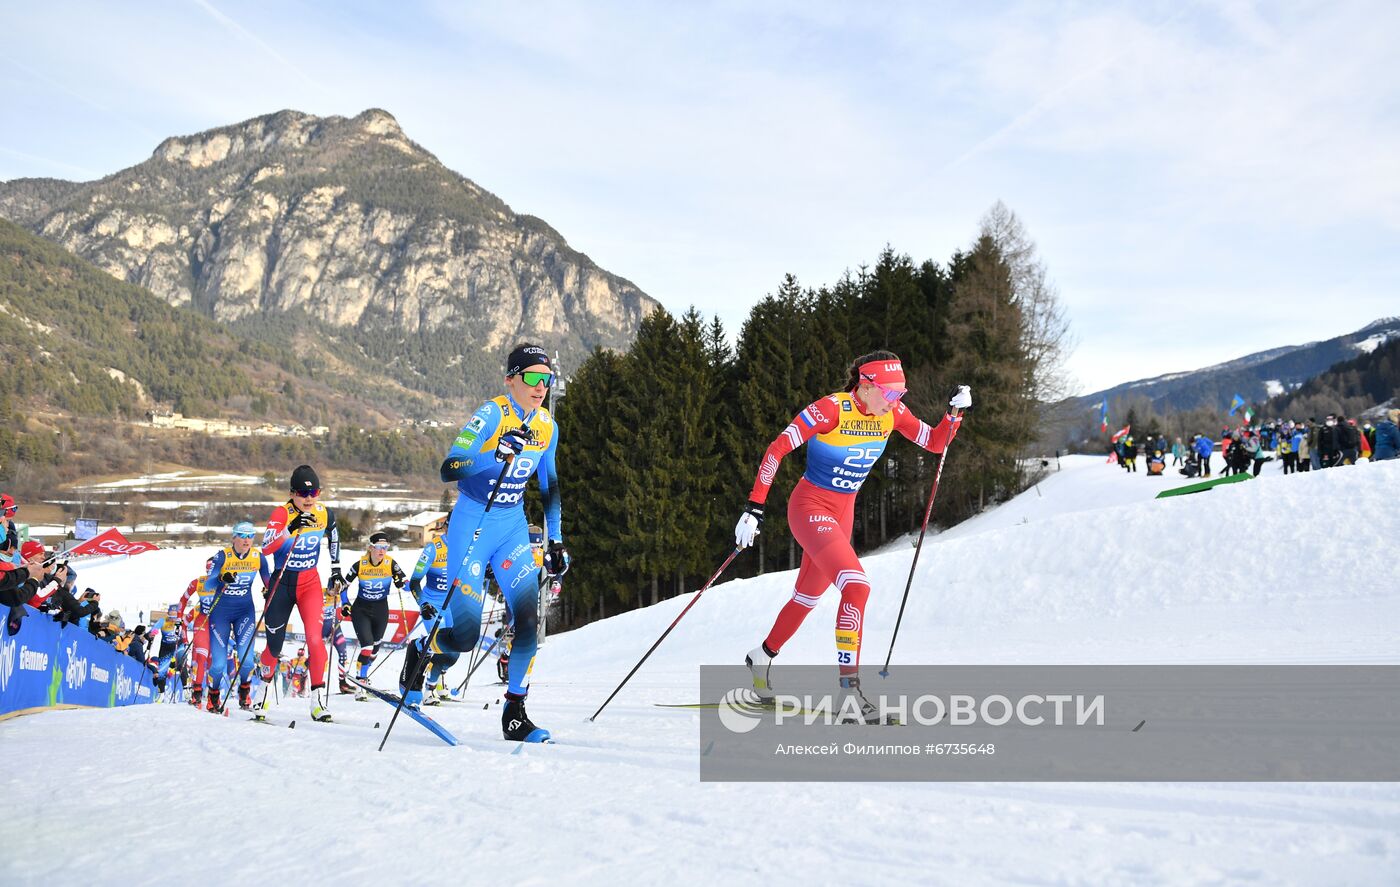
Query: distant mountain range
x: 1256, y: 377
x: 289, y: 225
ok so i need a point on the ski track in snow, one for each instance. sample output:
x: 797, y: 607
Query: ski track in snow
x: 1087, y: 569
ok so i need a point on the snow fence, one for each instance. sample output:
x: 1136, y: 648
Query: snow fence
x: 45, y: 665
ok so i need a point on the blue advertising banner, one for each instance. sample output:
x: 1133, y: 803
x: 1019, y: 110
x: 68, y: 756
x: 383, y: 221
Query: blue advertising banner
x: 44, y: 666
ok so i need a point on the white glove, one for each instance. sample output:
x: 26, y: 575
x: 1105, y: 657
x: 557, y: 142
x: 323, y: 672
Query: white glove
x: 961, y: 399
x: 747, y: 527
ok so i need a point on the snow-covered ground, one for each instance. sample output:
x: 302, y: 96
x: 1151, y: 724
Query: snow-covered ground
x: 1085, y: 569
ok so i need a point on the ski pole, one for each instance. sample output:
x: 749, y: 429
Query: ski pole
x: 733, y: 554
x: 451, y: 591
x: 494, y: 643
x: 928, y: 512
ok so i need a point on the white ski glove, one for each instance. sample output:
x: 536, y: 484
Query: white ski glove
x: 961, y: 399
x: 747, y: 528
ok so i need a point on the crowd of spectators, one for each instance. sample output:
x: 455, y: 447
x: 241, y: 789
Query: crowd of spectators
x: 1295, y: 445
x: 32, y: 575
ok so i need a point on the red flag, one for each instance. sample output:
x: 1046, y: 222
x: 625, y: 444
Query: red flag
x: 111, y: 543
x: 1123, y: 433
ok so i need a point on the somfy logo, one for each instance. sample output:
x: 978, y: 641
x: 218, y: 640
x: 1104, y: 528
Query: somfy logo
x: 741, y: 709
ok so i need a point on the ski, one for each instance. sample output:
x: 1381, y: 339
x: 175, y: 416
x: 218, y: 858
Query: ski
x: 262, y: 719
x: 393, y: 699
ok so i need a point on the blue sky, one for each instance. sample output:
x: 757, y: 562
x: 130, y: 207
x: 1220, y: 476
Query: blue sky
x: 1203, y: 180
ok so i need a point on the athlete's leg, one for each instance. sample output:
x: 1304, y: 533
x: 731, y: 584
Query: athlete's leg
x: 808, y: 506
x: 218, y: 629
x: 309, y: 599
x: 279, y: 609
x: 243, y: 626
x: 369, y: 642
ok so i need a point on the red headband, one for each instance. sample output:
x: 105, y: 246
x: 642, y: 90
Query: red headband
x: 884, y: 372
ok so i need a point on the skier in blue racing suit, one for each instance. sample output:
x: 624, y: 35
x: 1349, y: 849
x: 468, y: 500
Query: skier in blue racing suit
x: 513, y: 428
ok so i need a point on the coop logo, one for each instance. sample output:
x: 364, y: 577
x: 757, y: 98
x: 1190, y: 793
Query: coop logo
x: 7, y: 663
x: 741, y: 709
x: 76, y: 674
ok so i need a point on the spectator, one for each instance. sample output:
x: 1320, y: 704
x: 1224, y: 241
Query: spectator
x: 8, y: 510
x: 1329, y: 448
x: 1348, y: 440
x: 1178, y: 452
x: 1387, y: 444
x: 1287, y: 455
x: 1301, y: 436
x: 137, y: 649
x: 1204, y: 447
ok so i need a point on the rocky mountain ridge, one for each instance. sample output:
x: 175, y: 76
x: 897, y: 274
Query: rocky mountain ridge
x: 346, y: 222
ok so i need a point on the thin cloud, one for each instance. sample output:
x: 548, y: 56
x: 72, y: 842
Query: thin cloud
x: 243, y: 32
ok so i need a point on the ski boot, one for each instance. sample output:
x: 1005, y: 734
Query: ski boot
x: 245, y: 691
x: 852, y: 706
x: 516, y: 724
x: 260, y: 710
x: 503, y: 669
x: 760, y: 663
x: 214, y: 699
x: 196, y: 696
x: 345, y: 686
x: 320, y: 704
x: 412, y: 698
x: 361, y: 695
x: 440, y: 693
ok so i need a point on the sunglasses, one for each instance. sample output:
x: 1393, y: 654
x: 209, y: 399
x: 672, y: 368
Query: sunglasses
x: 306, y: 494
x: 379, y: 547
x: 244, y: 535
x: 533, y: 378
x: 891, y: 394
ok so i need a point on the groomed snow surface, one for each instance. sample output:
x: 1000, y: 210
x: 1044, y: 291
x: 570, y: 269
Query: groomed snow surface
x: 1085, y: 569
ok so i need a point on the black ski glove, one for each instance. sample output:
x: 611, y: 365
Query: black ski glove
x: 303, y: 520
x: 336, y: 580
x: 227, y: 577
x: 556, y: 559
x: 427, y: 611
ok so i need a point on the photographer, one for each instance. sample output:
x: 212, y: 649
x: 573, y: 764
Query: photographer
x: 32, y: 582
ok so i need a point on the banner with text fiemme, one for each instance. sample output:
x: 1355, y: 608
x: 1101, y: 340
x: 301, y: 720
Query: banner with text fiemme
x: 45, y: 666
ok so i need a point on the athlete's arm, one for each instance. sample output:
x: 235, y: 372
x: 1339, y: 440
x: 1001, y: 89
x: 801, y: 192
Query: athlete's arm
x: 276, y: 535
x: 332, y: 539
x: 420, y: 569
x: 212, y: 581
x: 819, y: 417
x: 549, y: 488
x: 933, y: 439
x: 349, y: 580
x: 462, y: 455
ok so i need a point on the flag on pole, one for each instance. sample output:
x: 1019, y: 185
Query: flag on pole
x: 1103, y: 416
x: 1235, y: 405
x: 1122, y: 433
x: 1248, y: 416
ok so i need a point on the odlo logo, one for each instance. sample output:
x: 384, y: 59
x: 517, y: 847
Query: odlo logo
x: 76, y: 674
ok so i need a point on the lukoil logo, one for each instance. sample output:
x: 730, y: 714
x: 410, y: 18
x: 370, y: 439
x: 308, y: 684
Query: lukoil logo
x: 741, y: 709
x: 76, y: 673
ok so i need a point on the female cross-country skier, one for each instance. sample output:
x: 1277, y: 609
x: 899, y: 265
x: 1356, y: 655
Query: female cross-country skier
x: 227, y: 602
x: 376, y: 573
x: 293, y: 541
x: 515, y: 428
x: 846, y: 433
